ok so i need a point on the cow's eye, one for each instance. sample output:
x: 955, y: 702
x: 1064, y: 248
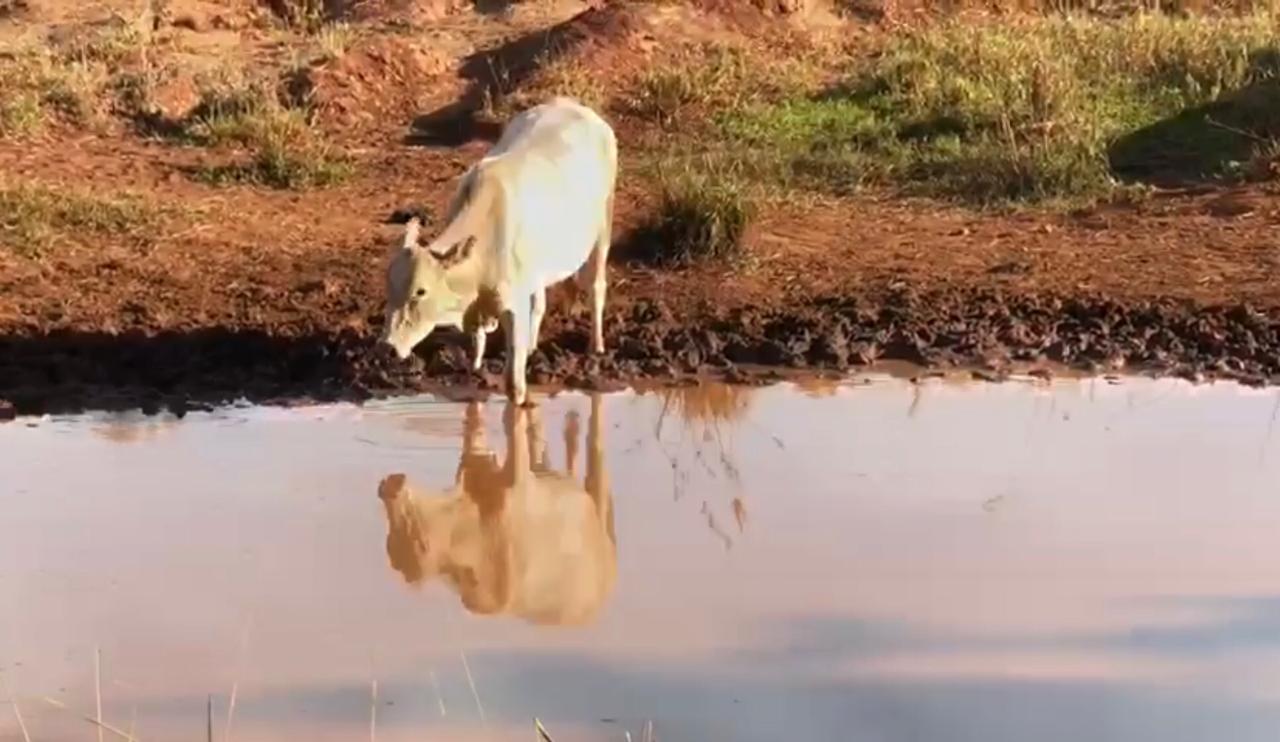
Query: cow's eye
x: 420, y: 293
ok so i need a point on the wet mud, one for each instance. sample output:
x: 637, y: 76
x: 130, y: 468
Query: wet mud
x: 647, y: 340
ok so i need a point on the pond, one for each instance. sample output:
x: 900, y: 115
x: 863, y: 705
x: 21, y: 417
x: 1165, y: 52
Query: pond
x: 871, y: 560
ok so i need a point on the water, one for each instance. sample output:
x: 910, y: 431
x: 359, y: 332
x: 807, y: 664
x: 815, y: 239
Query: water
x: 874, y: 561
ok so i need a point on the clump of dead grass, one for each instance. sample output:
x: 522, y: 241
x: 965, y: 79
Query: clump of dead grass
x: 1029, y: 111
x: 331, y: 41
x: 35, y: 217
x: 234, y: 109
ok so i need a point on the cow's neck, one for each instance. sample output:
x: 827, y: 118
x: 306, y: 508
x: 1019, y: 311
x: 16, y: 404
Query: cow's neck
x: 465, y: 280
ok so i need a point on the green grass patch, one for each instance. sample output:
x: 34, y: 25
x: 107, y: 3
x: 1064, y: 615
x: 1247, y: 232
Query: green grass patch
x: 34, y: 218
x: 1036, y: 111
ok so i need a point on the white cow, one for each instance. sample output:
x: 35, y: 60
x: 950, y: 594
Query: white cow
x: 535, y: 210
x: 515, y: 538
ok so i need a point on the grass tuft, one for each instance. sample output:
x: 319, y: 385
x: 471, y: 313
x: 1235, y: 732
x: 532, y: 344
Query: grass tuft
x: 21, y: 114
x: 233, y: 110
x: 284, y: 150
x: 278, y: 167
x: 704, y: 78
x: 702, y: 215
x: 40, y: 85
x: 557, y: 74
x: 305, y: 15
x: 72, y: 92
x: 111, y: 44
x: 332, y: 40
x: 35, y: 217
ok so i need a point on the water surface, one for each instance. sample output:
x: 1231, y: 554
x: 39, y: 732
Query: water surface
x: 872, y: 561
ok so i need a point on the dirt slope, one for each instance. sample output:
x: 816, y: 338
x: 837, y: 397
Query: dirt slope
x: 275, y: 294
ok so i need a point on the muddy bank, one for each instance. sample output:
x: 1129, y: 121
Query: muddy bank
x: 648, y: 340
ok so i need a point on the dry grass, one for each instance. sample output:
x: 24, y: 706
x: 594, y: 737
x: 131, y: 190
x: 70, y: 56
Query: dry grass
x: 35, y: 218
x: 68, y: 79
x: 279, y: 145
x: 331, y: 41
x: 112, y: 44
x: 305, y: 15
x: 21, y: 113
x: 557, y: 75
x: 280, y: 166
x: 40, y: 88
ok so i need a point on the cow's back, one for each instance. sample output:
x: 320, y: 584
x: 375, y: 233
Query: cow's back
x: 563, y: 558
x: 557, y: 165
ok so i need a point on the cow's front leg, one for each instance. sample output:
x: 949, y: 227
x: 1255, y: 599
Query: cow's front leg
x: 479, y: 333
x: 537, y: 308
x: 479, y: 324
x: 515, y: 325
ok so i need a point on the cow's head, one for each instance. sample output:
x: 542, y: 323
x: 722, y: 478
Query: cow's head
x: 418, y: 294
x: 434, y: 534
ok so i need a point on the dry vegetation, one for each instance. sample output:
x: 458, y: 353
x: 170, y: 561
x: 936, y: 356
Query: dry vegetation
x: 280, y: 147
x: 105, y: 75
x: 35, y: 218
x: 1059, y: 108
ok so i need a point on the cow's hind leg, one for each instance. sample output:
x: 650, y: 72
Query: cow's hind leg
x: 515, y: 325
x: 599, y: 261
x: 475, y: 322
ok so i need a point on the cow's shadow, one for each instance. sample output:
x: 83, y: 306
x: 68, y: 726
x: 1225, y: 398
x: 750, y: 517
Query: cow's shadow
x: 516, y: 538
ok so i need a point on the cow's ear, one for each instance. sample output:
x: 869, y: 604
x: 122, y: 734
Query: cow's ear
x: 459, y: 252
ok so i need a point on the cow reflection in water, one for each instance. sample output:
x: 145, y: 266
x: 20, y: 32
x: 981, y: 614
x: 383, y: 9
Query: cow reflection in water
x: 519, y: 538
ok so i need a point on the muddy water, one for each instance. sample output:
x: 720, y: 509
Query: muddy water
x: 875, y: 561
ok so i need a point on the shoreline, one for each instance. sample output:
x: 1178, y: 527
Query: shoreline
x: 982, y: 332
